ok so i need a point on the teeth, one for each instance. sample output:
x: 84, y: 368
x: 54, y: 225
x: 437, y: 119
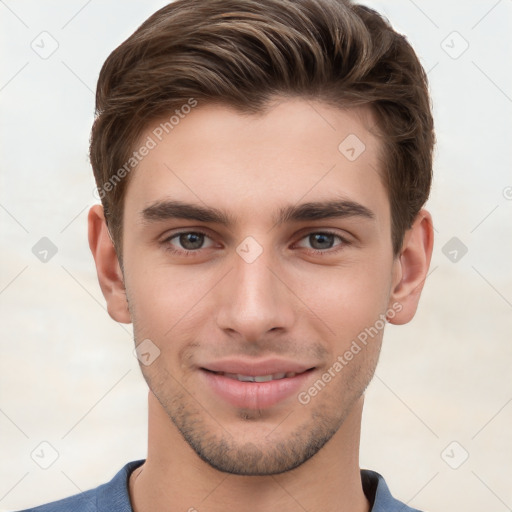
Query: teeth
x: 264, y: 378
x: 258, y: 378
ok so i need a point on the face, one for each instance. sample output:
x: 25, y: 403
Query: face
x: 257, y: 252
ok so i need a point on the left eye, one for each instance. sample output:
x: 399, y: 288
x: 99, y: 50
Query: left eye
x: 321, y: 241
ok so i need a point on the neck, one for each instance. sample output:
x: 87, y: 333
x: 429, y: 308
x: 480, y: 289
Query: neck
x: 174, y: 478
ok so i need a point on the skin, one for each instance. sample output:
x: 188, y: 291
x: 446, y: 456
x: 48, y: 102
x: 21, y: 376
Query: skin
x: 204, y: 453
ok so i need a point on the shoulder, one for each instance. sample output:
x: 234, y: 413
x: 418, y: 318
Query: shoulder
x: 379, y: 495
x: 83, y: 502
x: 110, y: 497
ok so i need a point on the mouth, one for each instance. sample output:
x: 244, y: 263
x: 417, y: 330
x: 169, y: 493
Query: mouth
x: 258, y: 378
x: 261, y: 390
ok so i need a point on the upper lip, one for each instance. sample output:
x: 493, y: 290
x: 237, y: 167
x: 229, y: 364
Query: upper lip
x: 255, y: 368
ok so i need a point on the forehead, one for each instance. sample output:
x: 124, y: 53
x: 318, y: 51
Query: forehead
x: 298, y: 150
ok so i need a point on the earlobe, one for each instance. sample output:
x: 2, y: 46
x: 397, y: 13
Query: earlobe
x: 108, y: 269
x: 412, y: 268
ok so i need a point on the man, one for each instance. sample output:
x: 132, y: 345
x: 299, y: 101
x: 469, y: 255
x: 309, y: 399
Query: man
x: 262, y: 167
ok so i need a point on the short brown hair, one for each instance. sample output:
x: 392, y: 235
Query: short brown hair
x: 242, y: 53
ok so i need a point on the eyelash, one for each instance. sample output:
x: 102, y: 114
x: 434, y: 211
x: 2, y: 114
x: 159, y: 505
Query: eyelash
x: 192, y: 253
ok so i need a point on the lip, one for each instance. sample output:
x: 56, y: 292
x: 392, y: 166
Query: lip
x: 254, y: 368
x: 254, y: 395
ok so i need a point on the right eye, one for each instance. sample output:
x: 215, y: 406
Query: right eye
x: 190, y: 241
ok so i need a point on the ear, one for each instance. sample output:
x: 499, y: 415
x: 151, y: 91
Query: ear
x: 109, y: 271
x: 411, y: 268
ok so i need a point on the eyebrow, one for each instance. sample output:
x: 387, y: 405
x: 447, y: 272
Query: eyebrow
x: 318, y: 210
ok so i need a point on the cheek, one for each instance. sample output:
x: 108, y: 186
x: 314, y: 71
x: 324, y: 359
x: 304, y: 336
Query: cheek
x: 347, y: 300
x: 163, y: 300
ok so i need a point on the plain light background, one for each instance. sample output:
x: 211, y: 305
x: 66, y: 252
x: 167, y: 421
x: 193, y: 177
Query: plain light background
x: 69, y: 378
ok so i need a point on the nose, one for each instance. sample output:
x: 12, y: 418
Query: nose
x: 254, y: 299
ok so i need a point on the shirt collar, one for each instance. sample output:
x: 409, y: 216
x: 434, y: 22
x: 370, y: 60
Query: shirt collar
x: 115, y: 494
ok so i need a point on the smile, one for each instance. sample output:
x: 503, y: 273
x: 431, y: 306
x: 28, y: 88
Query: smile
x: 257, y: 378
x: 255, y: 391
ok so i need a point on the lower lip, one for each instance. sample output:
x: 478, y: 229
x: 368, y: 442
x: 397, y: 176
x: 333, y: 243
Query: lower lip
x: 254, y: 395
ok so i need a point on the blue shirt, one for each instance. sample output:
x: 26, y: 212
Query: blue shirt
x: 114, y: 497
